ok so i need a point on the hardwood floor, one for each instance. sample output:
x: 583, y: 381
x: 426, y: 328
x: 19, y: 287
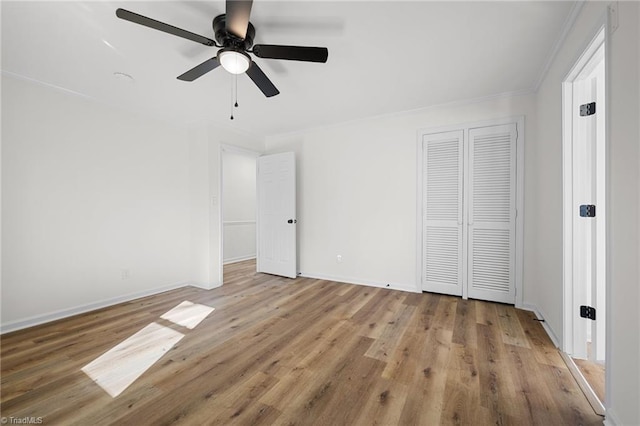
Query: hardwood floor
x: 304, y: 352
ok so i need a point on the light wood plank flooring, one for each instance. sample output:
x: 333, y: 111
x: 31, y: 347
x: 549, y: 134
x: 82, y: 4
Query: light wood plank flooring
x: 300, y: 352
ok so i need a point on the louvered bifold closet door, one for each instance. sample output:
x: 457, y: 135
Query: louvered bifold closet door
x: 491, y: 209
x: 442, y: 212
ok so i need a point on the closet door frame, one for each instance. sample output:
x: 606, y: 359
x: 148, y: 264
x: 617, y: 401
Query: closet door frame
x: 519, y: 121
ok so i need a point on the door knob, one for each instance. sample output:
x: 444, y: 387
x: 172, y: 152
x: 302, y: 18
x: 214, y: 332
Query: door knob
x: 292, y: 221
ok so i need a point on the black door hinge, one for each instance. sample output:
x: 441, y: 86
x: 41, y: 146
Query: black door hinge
x: 587, y: 210
x: 588, y: 312
x: 587, y: 109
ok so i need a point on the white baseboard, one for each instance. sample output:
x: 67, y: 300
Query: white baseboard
x: 552, y: 335
x: 356, y: 281
x: 206, y: 286
x: 65, y: 313
x: 238, y: 259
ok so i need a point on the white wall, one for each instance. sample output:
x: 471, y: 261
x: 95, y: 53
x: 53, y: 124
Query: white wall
x: 357, y: 190
x: 623, y: 371
x: 201, y: 209
x: 239, y: 205
x: 624, y: 365
x: 87, y: 192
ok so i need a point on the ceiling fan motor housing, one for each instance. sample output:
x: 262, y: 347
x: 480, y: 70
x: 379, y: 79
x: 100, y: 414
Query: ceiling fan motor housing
x: 226, y: 39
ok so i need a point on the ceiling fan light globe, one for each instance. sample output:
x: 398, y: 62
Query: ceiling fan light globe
x: 234, y: 62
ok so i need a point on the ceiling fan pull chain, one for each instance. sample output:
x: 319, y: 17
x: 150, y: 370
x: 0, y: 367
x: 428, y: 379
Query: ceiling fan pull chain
x: 231, y: 100
x: 234, y: 94
x: 235, y: 78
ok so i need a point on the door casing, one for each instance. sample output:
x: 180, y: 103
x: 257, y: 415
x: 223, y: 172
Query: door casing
x: 574, y: 327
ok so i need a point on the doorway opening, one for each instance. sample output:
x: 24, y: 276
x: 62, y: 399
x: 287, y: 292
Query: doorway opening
x: 584, y: 205
x: 238, y: 204
x: 258, y: 211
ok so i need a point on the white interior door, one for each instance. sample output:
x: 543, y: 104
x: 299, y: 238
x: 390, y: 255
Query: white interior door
x: 442, y: 253
x: 276, y: 215
x: 492, y: 213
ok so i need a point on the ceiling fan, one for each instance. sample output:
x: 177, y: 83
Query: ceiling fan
x: 234, y: 36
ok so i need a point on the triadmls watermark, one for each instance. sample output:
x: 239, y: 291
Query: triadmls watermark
x: 29, y: 420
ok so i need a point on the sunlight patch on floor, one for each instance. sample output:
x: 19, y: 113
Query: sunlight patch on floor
x: 115, y: 370
x: 187, y: 314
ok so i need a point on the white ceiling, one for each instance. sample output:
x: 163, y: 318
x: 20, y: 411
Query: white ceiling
x: 384, y: 56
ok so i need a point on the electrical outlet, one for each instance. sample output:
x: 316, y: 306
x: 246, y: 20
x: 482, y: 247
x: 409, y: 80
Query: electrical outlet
x: 339, y: 258
x: 126, y: 274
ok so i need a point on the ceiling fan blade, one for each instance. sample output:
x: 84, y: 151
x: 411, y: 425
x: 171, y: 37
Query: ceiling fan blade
x: 238, y: 12
x: 291, y: 53
x: 261, y: 80
x: 200, y: 70
x: 161, y: 26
